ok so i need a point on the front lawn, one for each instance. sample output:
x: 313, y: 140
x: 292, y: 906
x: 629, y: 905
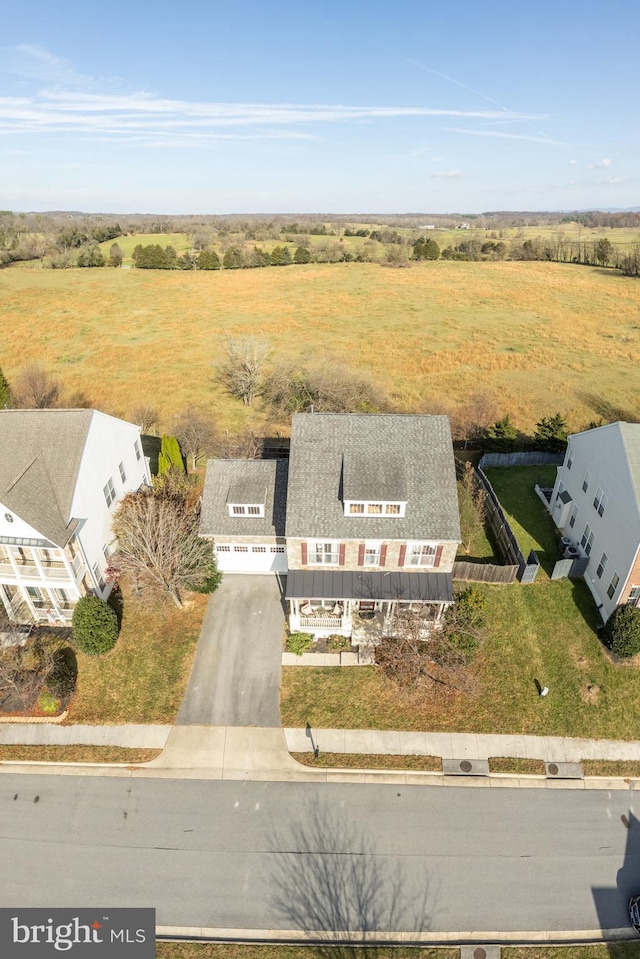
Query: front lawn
x: 144, y: 677
x: 544, y: 631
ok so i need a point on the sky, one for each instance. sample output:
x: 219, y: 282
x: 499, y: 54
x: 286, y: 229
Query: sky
x: 292, y: 107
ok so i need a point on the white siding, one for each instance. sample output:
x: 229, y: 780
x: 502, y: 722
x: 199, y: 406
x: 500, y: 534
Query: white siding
x: 17, y: 527
x: 617, y: 531
x: 110, y: 441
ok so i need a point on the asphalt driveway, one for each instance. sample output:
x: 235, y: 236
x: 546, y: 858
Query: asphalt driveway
x: 235, y: 680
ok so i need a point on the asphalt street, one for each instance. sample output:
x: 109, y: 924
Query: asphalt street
x: 308, y: 856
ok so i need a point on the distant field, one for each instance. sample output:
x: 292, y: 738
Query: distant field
x: 179, y: 241
x: 541, y: 337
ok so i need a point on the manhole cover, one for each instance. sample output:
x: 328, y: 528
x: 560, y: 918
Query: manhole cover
x: 466, y: 767
x: 553, y: 769
x: 479, y: 953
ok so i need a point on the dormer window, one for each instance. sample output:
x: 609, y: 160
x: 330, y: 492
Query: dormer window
x: 246, y: 509
x: 368, y: 508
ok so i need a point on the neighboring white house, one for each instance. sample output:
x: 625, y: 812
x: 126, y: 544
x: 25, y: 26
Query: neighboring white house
x: 596, y: 505
x: 62, y: 474
x: 363, y: 518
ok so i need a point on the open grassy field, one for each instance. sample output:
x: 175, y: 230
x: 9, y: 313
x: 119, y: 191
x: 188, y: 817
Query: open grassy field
x: 179, y: 241
x: 541, y: 337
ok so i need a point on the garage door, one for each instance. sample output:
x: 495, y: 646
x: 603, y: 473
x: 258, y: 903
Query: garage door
x: 248, y: 558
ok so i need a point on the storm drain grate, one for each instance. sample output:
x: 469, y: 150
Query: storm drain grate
x: 564, y: 770
x: 465, y: 767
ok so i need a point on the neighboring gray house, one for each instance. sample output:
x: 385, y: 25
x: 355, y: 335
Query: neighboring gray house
x: 596, y: 505
x: 62, y: 474
x: 367, y: 522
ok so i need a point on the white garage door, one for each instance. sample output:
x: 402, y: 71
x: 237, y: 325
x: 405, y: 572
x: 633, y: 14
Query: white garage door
x: 248, y: 558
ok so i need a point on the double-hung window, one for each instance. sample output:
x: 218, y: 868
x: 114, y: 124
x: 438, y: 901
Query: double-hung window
x: 323, y: 553
x: 569, y: 459
x: 421, y: 554
x: 109, y: 492
x: 586, y: 481
x: 613, y: 585
x: 600, y: 501
x: 587, y: 539
x: 634, y: 596
x: 371, y: 554
x: 574, y: 516
x: 123, y: 475
x: 602, y: 565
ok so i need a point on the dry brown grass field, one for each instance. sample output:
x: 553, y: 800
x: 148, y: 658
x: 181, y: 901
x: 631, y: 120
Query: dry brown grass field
x: 541, y: 337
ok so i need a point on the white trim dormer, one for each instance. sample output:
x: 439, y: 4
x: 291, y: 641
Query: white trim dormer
x: 378, y: 508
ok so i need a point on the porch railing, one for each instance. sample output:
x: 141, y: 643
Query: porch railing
x: 322, y: 622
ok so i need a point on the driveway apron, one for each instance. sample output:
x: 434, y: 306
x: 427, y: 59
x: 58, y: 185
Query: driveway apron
x: 235, y: 680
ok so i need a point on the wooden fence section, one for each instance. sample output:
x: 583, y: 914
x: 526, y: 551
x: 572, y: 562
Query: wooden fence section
x: 484, y: 573
x: 535, y: 458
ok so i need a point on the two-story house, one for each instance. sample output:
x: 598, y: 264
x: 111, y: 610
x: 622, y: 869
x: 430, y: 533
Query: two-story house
x: 596, y: 505
x: 62, y: 474
x: 364, y: 522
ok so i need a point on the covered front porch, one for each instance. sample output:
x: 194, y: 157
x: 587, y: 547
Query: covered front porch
x: 362, y: 605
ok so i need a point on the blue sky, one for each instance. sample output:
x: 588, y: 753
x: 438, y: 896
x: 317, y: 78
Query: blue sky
x: 239, y: 107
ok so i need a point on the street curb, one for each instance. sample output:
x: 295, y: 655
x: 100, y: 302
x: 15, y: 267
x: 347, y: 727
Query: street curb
x: 578, y: 937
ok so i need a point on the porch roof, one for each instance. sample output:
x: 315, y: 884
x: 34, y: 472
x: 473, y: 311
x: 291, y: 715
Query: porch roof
x: 369, y: 585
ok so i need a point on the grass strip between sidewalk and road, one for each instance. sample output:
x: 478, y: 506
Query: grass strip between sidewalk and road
x: 76, y: 754
x: 369, y: 761
x: 214, y: 950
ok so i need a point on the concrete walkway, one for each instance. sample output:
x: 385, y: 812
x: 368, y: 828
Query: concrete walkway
x: 369, y: 741
x: 235, y: 678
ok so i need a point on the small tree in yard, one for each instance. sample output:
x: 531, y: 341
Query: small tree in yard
x: 95, y: 626
x: 622, y: 632
x: 158, y: 543
x: 5, y: 392
x: 501, y: 436
x: 195, y: 433
x: 35, y: 389
x: 473, y: 506
x: 551, y: 434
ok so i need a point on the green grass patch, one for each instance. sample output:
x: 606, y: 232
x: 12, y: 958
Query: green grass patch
x: 531, y: 524
x: 212, y: 950
x: 516, y: 765
x: 610, y: 950
x: 544, y: 631
x: 76, y: 754
x: 369, y: 761
x: 612, y: 767
x: 144, y: 677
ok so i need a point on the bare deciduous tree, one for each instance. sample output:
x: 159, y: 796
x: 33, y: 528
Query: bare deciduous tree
x: 146, y: 417
x: 25, y: 667
x: 34, y: 388
x: 243, y: 446
x: 196, y: 433
x: 326, y: 389
x: 159, y: 546
x: 241, y: 373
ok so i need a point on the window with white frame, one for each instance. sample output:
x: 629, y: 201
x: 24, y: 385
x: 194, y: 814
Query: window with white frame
x: 97, y: 575
x: 123, y: 475
x: 586, y: 481
x: 600, y: 501
x: 373, y: 508
x: 421, y: 554
x: 602, y: 565
x: 587, y: 539
x: 613, y: 585
x: 246, y: 509
x: 569, y: 459
x: 109, y: 492
x: 138, y: 450
x: 323, y: 553
x: 372, y: 554
x: 633, y: 598
x: 276, y: 549
x: 223, y: 549
x: 574, y: 516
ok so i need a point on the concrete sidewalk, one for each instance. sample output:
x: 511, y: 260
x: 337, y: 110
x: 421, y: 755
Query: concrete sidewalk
x: 368, y: 741
x: 458, y: 745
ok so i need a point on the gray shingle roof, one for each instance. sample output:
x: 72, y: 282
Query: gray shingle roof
x: 248, y: 488
x: 41, y: 454
x: 420, y: 449
x: 223, y: 475
x: 387, y: 482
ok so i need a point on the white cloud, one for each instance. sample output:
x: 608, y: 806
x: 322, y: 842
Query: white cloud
x: 611, y: 180
x: 599, y: 165
x: 572, y: 162
x: 449, y: 175
x: 505, y: 136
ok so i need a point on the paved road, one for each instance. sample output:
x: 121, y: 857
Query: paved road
x: 235, y: 680
x: 281, y: 856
